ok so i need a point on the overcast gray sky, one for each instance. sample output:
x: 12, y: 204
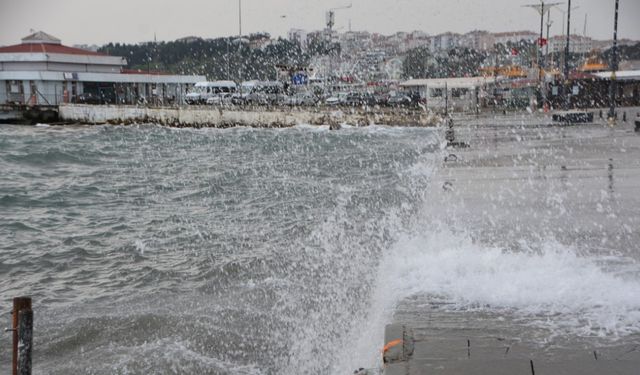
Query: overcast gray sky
x: 102, y: 21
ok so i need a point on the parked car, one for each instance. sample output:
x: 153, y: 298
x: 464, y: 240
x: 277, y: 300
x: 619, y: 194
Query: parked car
x: 221, y: 99
x: 381, y: 99
x: 337, y: 99
x: 305, y: 99
x: 266, y: 93
x: 239, y: 99
x: 358, y: 99
x: 400, y: 101
x: 202, y: 91
x: 89, y: 98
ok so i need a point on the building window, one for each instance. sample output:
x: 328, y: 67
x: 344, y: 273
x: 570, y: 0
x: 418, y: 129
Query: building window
x: 457, y: 93
x: 15, y: 87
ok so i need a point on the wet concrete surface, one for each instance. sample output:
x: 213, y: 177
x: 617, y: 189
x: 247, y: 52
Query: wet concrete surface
x: 567, y: 182
x: 525, y: 182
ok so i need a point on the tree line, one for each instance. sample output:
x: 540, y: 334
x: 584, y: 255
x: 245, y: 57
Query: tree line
x: 235, y: 59
x: 420, y: 62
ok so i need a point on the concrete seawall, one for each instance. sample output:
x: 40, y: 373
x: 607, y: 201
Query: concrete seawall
x: 250, y: 116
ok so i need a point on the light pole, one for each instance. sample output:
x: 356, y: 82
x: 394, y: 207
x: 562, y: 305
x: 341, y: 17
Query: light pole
x: 541, y: 8
x: 566, y: 58
x: 549, y: 23
x: 240, y: 42
x: 540, y: 57
x: 614, y: 68
x: 565, y: 15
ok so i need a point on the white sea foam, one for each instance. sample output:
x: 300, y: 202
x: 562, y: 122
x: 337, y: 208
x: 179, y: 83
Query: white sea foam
x: 551, y: 281
x: 551, y: 288
x: 310, y: 127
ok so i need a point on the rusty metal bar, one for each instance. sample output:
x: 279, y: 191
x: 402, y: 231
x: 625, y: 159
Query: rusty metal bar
x: 19, y: 304
x: 25, y: 344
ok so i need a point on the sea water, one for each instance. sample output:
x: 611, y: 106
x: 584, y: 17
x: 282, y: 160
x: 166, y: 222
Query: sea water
x: 149, y: 249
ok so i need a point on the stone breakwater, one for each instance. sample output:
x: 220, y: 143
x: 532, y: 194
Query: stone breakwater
x: 245, y: 116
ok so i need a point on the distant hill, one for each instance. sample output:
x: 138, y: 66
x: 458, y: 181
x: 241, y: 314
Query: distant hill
x: 252, y: 57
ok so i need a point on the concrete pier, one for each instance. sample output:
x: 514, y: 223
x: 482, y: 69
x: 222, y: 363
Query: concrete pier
x: 524, y: 177
x: 221, y: 117
x: 26, y: 114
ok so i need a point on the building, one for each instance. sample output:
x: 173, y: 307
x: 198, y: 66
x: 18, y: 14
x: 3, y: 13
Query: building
x: 577, y: 44
x: 355, y: 41
x: 43, y: 71
x: 459, y: 93
x: 259, y: 40
x: 515, y: 37
x: 299, y: 36
x: 604, y: 45
x: 445, y: 42
x: 478, y: 40
x: 415, y: 40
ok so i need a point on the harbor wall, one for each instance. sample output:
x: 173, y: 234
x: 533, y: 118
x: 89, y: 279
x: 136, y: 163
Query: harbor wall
x: 255, y: 116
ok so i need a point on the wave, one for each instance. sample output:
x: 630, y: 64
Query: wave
x: 19, y: 226
x: 53, y: 157
x: 551, y: 285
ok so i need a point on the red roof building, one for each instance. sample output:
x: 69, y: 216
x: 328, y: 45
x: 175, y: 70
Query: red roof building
x: 41, y: 70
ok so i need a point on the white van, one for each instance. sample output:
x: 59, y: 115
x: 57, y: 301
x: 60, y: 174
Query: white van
x: 267, y: 93
x: 245, y: 88
x: 205, y: 90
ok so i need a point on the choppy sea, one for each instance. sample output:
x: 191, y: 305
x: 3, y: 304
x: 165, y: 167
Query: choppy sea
x: 153, y: 250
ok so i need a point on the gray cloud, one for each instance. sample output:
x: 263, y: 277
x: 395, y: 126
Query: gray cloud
x: 98, y: 22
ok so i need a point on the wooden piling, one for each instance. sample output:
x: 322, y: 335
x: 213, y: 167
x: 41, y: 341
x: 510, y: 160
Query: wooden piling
x: 19, y: 304
x: 25, y: 345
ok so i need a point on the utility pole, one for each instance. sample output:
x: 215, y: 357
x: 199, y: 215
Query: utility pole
x: 549, y: 23
x: 540, y: 58
x: 614, y: 68
x: 566, y: 58
x: 240, y: 43
x: 542, y: 9
x: 330, y: 19
x: 564, y: 32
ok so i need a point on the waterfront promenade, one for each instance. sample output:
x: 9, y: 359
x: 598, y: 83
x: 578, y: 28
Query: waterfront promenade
x: 543, y: 281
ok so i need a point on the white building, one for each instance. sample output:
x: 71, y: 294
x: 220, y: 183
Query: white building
x: 298, y: 35
x: 479, y: 40
x: 458, y: 93
x: 577, y: 44
x: 515, y: 37
x: 42, y: 71
x: 444, y: 42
